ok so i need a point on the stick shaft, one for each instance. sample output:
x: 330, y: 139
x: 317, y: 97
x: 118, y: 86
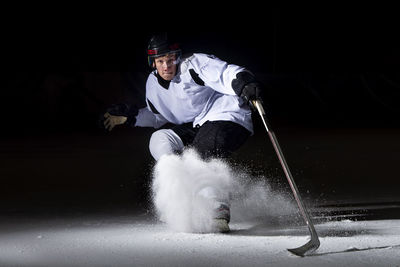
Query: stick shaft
x: 286, y: 170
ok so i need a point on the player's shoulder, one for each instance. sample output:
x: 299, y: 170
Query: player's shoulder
x: 195, y: 60
x: 151, y: 78
x: 199, y: 57
x: 152, y: 75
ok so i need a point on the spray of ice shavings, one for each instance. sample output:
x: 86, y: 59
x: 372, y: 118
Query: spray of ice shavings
x: 254, y: 200
x: 177, y: 179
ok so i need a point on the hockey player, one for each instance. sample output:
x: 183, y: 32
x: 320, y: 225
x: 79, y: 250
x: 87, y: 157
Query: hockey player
x: 206, y: 99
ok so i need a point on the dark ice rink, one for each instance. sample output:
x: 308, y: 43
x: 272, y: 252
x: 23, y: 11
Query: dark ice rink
x: 80, y: 199
x: 73, y: 195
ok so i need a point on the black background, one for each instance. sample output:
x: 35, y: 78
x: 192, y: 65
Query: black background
x: 330, y: 72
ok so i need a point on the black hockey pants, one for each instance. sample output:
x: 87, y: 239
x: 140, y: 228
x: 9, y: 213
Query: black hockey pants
x: 213, y: 138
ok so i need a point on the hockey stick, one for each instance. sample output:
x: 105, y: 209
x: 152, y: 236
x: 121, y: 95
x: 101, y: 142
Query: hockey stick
x: 314, y: 243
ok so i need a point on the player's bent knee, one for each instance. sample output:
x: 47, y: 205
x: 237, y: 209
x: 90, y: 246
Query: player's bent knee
x: 164, y: 142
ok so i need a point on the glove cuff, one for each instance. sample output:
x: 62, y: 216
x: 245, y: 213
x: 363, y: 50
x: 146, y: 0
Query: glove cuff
x: 242, y: 79
x: 126, y: 110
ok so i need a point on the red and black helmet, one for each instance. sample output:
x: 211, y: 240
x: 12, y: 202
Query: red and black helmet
x: 159, y: 45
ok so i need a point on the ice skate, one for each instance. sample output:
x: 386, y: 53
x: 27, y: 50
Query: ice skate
x: 221, y: 221
x: 221, y: 226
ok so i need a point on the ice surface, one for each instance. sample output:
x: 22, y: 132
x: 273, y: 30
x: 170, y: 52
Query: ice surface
x: 133, y: 240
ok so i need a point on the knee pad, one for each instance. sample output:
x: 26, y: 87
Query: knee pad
x: 164, y: 142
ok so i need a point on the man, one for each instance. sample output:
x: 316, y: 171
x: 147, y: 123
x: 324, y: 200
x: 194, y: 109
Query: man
x: 206, y: 99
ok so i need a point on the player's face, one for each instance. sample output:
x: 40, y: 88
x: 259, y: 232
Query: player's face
x: 166, y: 66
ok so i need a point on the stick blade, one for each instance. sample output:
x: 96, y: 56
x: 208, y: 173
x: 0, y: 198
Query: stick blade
x: 307, y: 248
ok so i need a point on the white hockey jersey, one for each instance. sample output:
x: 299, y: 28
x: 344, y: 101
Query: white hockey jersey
x: 200, y: 91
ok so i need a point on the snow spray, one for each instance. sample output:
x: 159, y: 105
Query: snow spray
x: 178, y: 183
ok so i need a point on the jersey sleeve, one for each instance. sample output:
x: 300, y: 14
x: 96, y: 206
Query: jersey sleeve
x: 146, y: 118
x: 217, y: 73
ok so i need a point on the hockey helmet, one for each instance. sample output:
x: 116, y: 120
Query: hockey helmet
x: 159, y: 45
